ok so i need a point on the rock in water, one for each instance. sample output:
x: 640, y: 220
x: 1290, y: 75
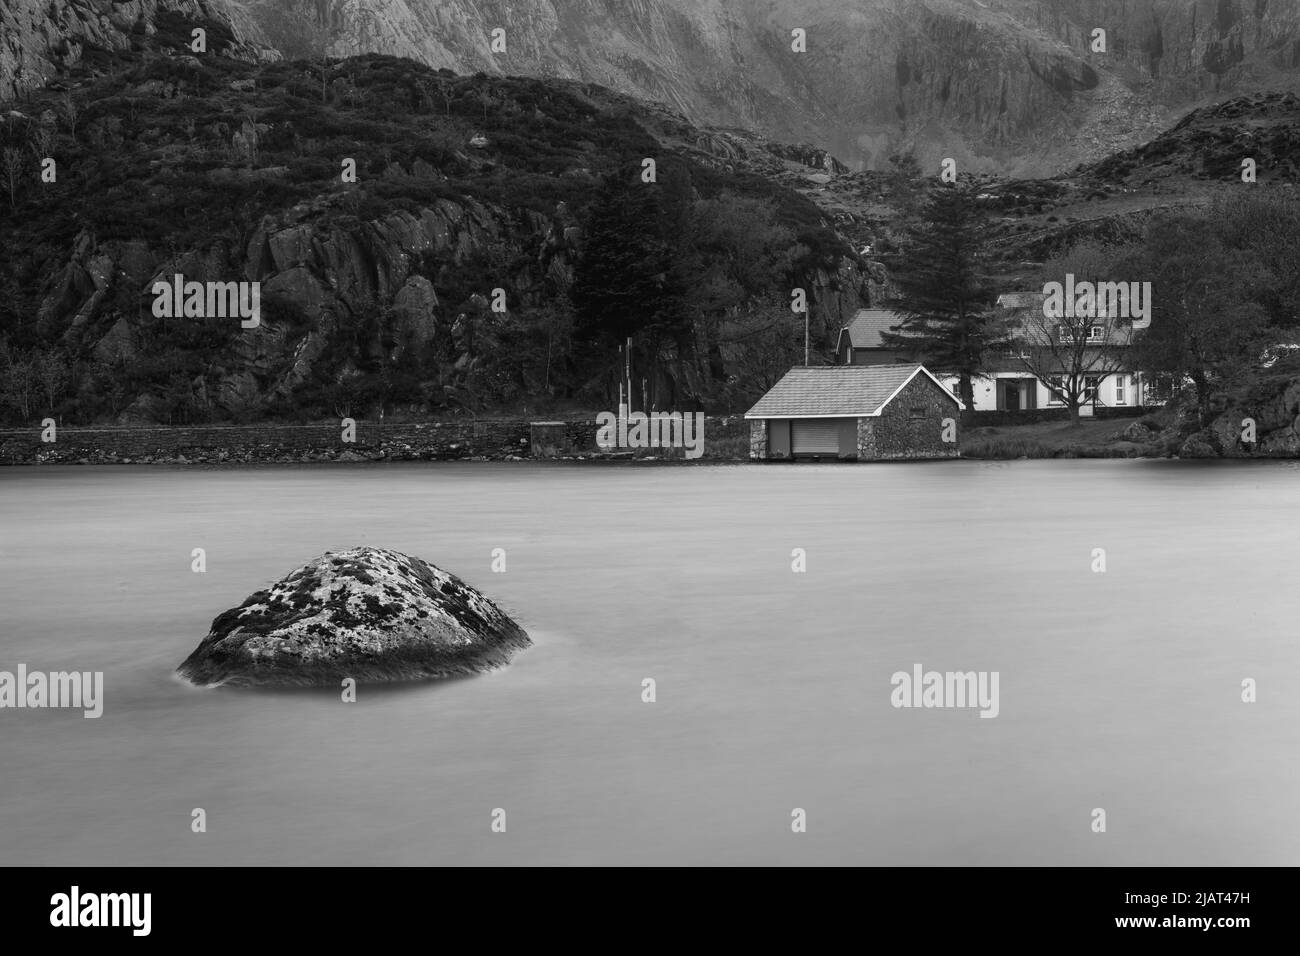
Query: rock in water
x: 366, y: 613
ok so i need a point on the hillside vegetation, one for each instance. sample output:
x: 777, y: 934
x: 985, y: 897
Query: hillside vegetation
x: 378, y: 295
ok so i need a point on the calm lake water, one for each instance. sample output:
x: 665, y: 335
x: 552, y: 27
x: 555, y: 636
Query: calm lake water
x: 1119, y: 690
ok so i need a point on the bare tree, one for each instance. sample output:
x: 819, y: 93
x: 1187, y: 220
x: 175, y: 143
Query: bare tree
x: 18, y: 385
x: 70, y: 112
x: 435, y: 87
x: 41, y: 141
x: 1073, y: 354
x: 11, y: 164
x: 50, y: 369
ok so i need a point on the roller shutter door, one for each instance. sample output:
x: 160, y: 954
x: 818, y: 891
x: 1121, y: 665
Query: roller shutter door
x: 815, y: 436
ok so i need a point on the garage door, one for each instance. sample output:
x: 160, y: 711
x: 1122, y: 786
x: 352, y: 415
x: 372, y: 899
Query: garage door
x: 815, y: 436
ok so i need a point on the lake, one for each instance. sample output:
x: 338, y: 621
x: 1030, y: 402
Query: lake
x: 1119, y: 690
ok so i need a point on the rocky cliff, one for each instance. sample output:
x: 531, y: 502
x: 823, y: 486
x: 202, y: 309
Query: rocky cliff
x: 1263, y: 406
x: 1010, y: 87
x: 42, y: 40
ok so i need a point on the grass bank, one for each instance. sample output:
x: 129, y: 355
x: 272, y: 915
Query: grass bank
x: 1086, y: 439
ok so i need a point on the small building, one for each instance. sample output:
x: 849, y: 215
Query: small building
x: 862, y: 342
x: 855, y: 413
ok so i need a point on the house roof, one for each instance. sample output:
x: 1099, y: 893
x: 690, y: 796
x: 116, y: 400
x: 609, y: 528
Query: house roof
x: 865, y: 330
x: 838, y: 391
x: 1027, y: 321
x: 1020, y: 300
x: 1041, y: 332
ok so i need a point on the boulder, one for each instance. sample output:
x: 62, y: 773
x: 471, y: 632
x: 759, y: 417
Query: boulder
x: 1197, y: 447
x: 367, y: 613
x: 1135, y: 431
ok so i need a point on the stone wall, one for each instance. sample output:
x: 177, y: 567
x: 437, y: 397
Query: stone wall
x: 428, y: 441
x: 247, y: 443
x: 758, y: 438
x: 894, y: 434
x: 866, y: 439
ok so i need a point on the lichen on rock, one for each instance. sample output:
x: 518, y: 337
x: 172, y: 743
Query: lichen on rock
x: 367, y: 613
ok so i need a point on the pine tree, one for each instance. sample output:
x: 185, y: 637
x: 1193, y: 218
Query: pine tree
x: 629, y: 282
x: 944, y: 294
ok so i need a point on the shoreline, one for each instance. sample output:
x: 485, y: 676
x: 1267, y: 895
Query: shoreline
x: 508, y: 440
x: 344, y: 440
x: 208, y: 463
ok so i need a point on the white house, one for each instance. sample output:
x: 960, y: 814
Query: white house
x: 1008, y: 385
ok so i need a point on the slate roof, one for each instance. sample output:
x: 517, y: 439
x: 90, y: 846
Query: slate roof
x: 836, y: 391
x: 1025, y: 313
x: 1020, y: 300
x: 865, y: 330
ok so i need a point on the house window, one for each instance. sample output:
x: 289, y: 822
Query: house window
x: 1055, y: 382
x: 1064, y: 333
x: 916, y: 413
x: 1090, y: 384
x: 1096, y: 333
x: 1119, y: 390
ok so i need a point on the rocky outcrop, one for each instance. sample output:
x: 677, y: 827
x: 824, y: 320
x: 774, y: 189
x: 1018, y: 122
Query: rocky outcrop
x: 366, y: 613
x: 323, y: 279
x: 1272, y: 405
x: 40, y: 39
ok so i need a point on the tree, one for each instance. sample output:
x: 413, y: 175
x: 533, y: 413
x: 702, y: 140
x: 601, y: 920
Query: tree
x: 628, y: 281
x: 18, y: 385
x: 766, y: 344
x: 1073, y: 354
x: 1206, y: 325
x: 944, y: 293
x: 50, y: 369
x: 903, y: 179
x: 70, y: 113
x: 554, y: 323
x: 1267, y: 226
x: 41, y: 142
x: 736, y: 255
x: 11, y: 164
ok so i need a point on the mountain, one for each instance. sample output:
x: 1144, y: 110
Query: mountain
x: 1187, y: 166
x: 1007, y: 87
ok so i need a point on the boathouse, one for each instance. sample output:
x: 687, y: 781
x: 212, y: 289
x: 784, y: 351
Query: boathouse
x: 855, y: 413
